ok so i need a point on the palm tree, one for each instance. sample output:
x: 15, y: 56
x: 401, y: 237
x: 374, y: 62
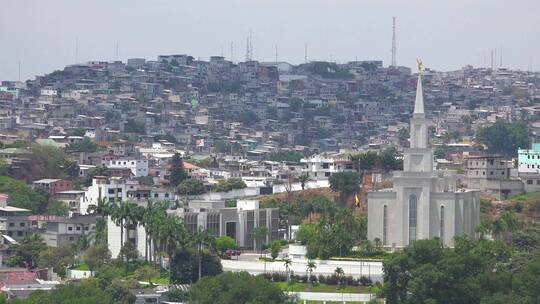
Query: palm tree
x: 119, y: 214
x: 304, y: 179
x: 259, y: 234
x: 102, y: 208
x: 287, y: 263
x: 310, y: 267
x: 340, y: 274
x: 202, y: 239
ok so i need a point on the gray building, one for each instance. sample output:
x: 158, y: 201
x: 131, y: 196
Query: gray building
x: 491, y: 174
x: 237, y: 222
x: 68, y: 230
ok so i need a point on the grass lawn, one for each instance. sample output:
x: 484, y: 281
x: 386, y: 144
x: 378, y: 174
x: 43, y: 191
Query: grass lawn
x: 82, y: 266
x: 321, y: 288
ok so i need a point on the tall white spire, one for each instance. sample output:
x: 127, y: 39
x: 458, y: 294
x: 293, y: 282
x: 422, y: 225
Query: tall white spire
x: 419, y: 101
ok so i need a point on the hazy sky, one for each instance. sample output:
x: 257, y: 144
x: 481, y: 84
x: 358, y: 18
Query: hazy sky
x: 447, y: 34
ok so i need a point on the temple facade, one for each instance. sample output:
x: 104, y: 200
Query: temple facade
x: 424, y: 203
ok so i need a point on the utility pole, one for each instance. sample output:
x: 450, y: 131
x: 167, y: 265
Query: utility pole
x: 232, y: 52
x: 76, y: 49
x: 394, y: 62
x: 276, y: 54
x: 305, y: 53
x: 116, y: 49
x: 19, y: 70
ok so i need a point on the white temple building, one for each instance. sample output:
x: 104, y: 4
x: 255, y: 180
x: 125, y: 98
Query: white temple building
x: 424, y: 203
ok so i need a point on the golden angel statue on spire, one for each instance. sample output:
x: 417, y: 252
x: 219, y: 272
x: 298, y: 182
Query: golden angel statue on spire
x: 420, y: 65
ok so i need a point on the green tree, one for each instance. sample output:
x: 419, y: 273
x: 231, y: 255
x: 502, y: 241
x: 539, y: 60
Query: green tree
x: 504, y: 137
x: 58, y: 258
x: 229, y: 184
x: 146, y: 273
x: 177, y: 171
x: 83, y: 145
x: 275, y: 248
x: 58, y: 208
x: 28, y: 249
x: 129, y: 251
x: 97, y: 255
x: 202, y: 240
x: 86, y: 293
x: 223, y: 243
x: 236, y: 287
x: 184, y: 266
x: 191, y: 186
x: 287, y: 156
x: 304, y: 179
x: 259, y: 236
x: 22, y: 196
x: 345, y: 183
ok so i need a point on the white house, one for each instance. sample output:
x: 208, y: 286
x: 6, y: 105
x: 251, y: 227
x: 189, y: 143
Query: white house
x: 139, y: 167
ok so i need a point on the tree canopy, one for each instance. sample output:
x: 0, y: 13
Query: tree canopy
x: 229, y: 184
x: 505, y: 137
x: 191, y: 186
x: 236, y: 287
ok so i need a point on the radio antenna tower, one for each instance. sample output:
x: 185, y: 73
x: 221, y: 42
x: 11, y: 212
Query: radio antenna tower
x: 394, y: 63
x: 250, y: 45
x: 247, y: 49
x: 305, y: 53
x: 76, y: 49
x: 232, y: 51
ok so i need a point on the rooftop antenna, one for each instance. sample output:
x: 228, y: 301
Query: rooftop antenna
x: 76, y: 50
x: 116, y: 49
x: 222, y: 51
x: 232, y: 51
x: 276, y: 54
x: 500, y: 63
x: 495, y: 58
x: 305, y: 53
x: 491, y: 59
x: 250, y: 45
x: 394, y: 41
x: 19, y: 70
x: 247, y: 49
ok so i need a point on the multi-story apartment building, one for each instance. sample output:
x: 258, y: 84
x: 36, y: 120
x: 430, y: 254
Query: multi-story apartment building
x: 68, y: 231
x: 529, y: 167
x: 53, y: 186
x: 491, y: 174
x: 138, y: 167
x: 322, y: 166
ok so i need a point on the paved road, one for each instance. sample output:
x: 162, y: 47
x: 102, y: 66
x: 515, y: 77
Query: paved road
x: 334, y: 297
x: 325, y: 267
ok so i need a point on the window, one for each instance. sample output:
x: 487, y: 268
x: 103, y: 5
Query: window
x: 19, y: 233
x: 167, y: 195
x: 529, y: 182
x: 490, y: 172
x: 327, y: 174
x: 442, y: 225
x: 78, y: 228
x: 71, y: 239
x: 413, y: 214
x: 325, y: 165
x: 538, y: 181
x: 70, y: 228
x: 11, y: 224
x: 155, y: 195
x: 385, y: 226
x: 22, y: 224
x: 483, y: 172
